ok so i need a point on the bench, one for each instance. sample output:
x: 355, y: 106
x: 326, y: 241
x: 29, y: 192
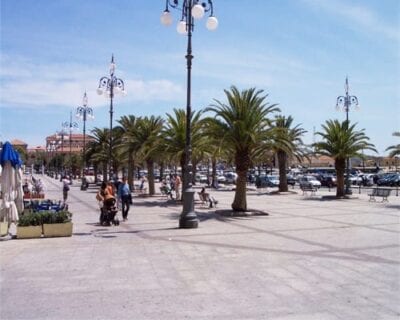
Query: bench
x: 379, y: 192
x: 139, y: 188
x: 207, y: 200
x: 308, y: 187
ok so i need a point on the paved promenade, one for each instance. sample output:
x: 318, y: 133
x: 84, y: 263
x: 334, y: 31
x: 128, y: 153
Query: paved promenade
x: 311, y: 258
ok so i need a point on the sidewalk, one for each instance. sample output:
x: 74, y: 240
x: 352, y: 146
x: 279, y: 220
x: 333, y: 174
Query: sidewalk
x: 310, y: 258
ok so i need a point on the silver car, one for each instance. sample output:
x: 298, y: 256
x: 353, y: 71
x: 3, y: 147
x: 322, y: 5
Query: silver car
x: 310, y: 180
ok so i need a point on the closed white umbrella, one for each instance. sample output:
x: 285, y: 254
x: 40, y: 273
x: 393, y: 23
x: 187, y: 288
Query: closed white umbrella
x: 10, y: 184
x: 9, y: 211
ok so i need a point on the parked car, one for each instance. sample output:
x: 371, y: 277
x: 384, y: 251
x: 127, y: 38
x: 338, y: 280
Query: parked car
x: 389, y: 179
x: 267, y: 181
x: 328, y: 181
x: 221, y: 179
x: 367, y: 180
x: 309, y: 180
x: 290, y: 180
x: 230, y: 177
x: 354, y: 180
x: 202, y: 178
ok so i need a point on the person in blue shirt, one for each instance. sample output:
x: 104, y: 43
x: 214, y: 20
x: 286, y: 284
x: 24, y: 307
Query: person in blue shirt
x: 124, y: 195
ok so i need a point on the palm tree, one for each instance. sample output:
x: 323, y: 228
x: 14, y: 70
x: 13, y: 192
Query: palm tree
x: 97, y: 149
x: 244, y: 124
x: 214, y: 145
x: 174, y: 137
x: 148, y: 137
x: 286, y: 143
x: 395, y: 149
x: 128, y: 145
x: 341, y: 141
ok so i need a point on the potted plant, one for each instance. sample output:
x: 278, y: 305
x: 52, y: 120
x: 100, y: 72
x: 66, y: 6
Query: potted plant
x: 29, y: 226
x: 57, y: 224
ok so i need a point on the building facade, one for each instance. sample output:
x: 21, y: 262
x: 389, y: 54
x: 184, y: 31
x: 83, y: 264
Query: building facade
x: 65, y: 143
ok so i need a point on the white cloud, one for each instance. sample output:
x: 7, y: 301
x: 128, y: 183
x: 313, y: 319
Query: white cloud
x: 30, y: 85
x: 359, y: 16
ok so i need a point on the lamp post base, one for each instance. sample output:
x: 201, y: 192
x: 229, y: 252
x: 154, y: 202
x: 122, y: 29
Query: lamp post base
x: 188, y: 217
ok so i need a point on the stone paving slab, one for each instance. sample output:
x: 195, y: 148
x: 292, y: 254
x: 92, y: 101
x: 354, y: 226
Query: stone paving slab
x: 310, y: 258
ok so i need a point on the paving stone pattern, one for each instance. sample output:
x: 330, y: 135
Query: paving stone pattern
x: 311, y: 258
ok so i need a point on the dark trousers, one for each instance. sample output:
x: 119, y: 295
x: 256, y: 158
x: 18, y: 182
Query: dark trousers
x: 126, y: 203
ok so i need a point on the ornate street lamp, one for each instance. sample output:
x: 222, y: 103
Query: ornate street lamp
x: 110, y: 86
x: 71, y: 125
x: 191, y: 9
x: 84, y: 113
x: 345, y: 103
x: 62, y: 134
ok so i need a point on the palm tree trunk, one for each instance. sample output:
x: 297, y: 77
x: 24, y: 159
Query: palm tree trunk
x: 130, y: 170
x: 240, y: 202
x: 242, y: 162
x: 95, y: 170
x: 105, y: 171
x: 340, y: 165
x: 133, y: 175
x: 282, y: 159
x: 150, y: 168
x: 161, y: 171
x: 194, y: 170
x: 214, y: 172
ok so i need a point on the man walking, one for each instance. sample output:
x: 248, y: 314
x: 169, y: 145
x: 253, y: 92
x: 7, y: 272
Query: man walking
x: 124, y: 195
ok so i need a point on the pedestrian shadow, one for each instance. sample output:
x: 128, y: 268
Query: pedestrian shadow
x: 326, y: 198
x: 81, y: 234
x: 157, y: 203
x: 143, y: 233
x: 393, y: 206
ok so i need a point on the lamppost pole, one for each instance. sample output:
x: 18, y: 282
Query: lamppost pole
x: 84, y: 112
x: 71, y: 125
x: 61, y: 134
x: 109, y: 86
x: 191, y: 9
x: 347, y: 101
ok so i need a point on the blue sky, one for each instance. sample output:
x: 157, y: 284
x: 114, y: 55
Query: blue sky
x: 298, y: 51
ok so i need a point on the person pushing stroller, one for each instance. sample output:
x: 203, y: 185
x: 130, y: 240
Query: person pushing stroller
x: 108, y: 206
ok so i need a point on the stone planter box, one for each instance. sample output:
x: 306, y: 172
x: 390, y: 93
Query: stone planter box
x: 57, y: 229
x: 29, y: 232
x: 3, y: 228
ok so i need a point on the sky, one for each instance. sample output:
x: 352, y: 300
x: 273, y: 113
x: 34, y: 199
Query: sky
x: 298, y: 51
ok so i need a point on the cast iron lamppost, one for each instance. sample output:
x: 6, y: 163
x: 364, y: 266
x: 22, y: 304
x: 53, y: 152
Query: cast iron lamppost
x: 191, y: 9
x: 83, y: 113
x: 109, y: 86
x: 71, y: 125
x: 63, y: 135
x: 346, y: 102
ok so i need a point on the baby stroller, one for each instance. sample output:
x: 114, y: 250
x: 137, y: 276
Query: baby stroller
x: 108, y: 213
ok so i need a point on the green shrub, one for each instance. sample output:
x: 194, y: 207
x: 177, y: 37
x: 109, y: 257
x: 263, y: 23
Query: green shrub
x: 55, y: 217
x: 30, y: 219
